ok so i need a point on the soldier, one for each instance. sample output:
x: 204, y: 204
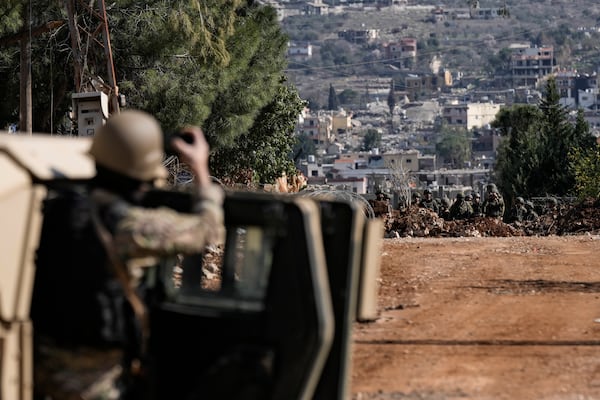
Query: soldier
x: 128, y: 153
x: 429, y: 202
x: 493, y: 206
x: 518, y: 210
x: 444, y: 210
x: 551, y: 206
x: 476, y: 204
x: 415, y: 198
x: 530, y: 214
x: 460, y: 209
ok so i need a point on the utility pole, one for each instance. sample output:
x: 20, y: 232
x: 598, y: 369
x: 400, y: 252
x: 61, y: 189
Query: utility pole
x: 86, y: 24
x: 25, y: 99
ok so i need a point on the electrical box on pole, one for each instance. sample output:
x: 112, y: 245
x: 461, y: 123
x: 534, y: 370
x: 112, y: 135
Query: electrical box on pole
x: 91, y: 111
x: 96, y: 95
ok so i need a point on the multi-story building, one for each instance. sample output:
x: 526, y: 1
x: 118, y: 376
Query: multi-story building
x: 317, y: 127
x: 418, y: 86
x: 530, y: 64
x: 575, y: 88
x: 406, y: 48
x: 589, y: 99
x: 405, y: 161
x: 470, y: 115
x: 341, y: 122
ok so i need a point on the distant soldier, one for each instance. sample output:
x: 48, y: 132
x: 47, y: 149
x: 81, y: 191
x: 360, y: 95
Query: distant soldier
x: 460, y: 209
x: 493, y: 206
x: 530, y: 214
x: 476, y: 204
x: 444, y: 210
x: 518, y: 210
x: 415, y: 198
x: 551, y: 206
x: 429, y: 202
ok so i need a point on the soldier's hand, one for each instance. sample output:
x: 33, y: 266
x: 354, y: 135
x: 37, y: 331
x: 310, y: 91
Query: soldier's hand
x: 193, y: 149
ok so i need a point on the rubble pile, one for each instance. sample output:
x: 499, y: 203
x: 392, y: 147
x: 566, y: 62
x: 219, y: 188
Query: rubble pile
x: 414, y: 221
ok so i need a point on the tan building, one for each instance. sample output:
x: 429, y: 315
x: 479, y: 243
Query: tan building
x: 317, y: 127
x: 481, y: 114
x: 407, y: 161
x: 341, y: 122
x: 418, y: 86
x: 470, y: 115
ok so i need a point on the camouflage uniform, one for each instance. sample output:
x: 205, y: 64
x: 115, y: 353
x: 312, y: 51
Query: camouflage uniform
x: 493, y: 206
x: 99, y: 354
x: 142, y: 232
x: 429, y: 202
x: 444, y: 210
x: 476, y: 204
x: 518, y: 211
x: 530, y: 214
x: 460, y: 209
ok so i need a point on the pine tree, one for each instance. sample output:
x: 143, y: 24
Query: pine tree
x: 332, y: 102
x: 556, y: 141
x: 391, y: 101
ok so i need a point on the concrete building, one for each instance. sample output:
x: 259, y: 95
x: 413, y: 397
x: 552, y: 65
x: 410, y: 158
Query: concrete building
x: 316, y: 7
x: 422, y: 86
x: 341, y: 122
x: 317, y: 127
x: 404, y: 48
x: 299, y: 51
x: 470, y: 115
x: 360, y: 35
x: 530, y: 64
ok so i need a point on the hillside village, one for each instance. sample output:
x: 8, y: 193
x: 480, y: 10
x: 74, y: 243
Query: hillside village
x: 426, y: 95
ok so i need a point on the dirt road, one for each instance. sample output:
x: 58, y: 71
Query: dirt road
x: 483, y: 318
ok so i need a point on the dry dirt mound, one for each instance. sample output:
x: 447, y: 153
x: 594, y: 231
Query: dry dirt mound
x: 569, y: 219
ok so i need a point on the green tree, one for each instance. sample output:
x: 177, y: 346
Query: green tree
x: 332, y: 102
x: 349, y: 96
x: 518, y: 155
x: 10, y: 16
x: 211, y: 63
x: 258, y: 153
x: 371, y: 140
x: 557, y: 139
x: 586, y: 166
x: 454, y: 146
x: 391, y: 99
x: 540, y: 147
x: 304, y: 147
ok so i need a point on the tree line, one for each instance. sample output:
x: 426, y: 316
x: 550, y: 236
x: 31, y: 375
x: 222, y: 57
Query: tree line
x: 546, y: 151
x: 216, y: 64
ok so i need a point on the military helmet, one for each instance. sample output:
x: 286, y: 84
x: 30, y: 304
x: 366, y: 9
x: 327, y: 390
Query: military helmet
x: 476, y: 195
x: 468, y: 197
x: 460, y: 195
x: 529, y: 204
x: 491, y: 187
x: 520, y: 200
x: 131, y: 144
x: 552, y: 200
x: 426, y: 191
x: 416, y: 195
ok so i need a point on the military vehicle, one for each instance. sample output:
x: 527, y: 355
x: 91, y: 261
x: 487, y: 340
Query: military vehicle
x: 296, y: 273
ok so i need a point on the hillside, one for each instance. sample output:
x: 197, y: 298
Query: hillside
x: 463, y: 45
